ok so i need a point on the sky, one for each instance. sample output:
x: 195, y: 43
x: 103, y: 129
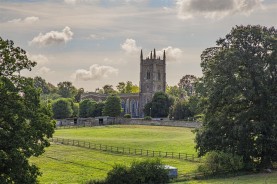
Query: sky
x: 96, y: 42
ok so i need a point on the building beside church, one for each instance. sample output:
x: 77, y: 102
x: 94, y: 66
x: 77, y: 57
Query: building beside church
x: 152, y: 80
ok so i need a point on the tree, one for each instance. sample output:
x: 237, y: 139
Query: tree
x: 78, y: 96
x: 87, y: 108
x: 108, y: 89
x: 62, y: 108
x: 66, y: 89
x: 240, y: 82
x: 159, y: 106
x: 41, y: 83
x: 25, y: 123
x: 99, y: 107
x: 181, y: 110
x: 187, y: 83
x: 112, y: 106
x: 121, y: 87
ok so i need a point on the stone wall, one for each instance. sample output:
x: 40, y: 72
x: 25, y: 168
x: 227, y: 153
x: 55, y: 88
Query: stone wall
x: 189, y: 124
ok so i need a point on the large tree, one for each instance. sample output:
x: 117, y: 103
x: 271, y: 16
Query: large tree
x: 62, y: 108
x: 240, y: 81
x: 112, y: 106
x: 66, y: 89
x: 25, y: 123
x: 159, y: 106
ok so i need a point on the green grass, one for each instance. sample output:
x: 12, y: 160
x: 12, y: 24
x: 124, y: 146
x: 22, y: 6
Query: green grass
x: 171, y: 139
x: 70, y: 164
x: 266, y: 178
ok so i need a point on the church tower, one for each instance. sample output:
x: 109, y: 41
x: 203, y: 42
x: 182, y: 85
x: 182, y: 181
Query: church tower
x: 152, y: 78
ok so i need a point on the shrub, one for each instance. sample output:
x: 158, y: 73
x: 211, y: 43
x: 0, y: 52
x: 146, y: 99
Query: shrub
x: 146, y: 172
x: 127, y: 116
x: 147, y: 118
x: 217, y: 162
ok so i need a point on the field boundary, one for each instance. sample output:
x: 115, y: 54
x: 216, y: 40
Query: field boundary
x: 126, y: 150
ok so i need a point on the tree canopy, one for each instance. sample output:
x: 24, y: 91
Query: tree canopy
x: 25, y: 123
x: 159, y: 106
x: 240, y: 82
x: 112, y: 106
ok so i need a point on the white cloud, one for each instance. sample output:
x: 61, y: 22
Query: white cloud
x: 70, y: 1
x: 96, y: 37
x: 172, y: 54
x: 28, y: 20
x: 43, y: 70
x: 130, y: 46
x: 215, y: 9
x: 53, y: 37
x: 95, y: 72
x: 40, y: 59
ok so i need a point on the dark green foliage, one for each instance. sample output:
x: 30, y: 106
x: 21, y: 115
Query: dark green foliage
x: 112, y: 106
x: 62, y: 108
x: 41, y: 84
x: 127, y: 115
x: 67, y: 90
x: 149, y: 171
x: 159, y: 106
x: 240, y: 87
x: 180, y: 110
x: 217, y: 162
x: 87, y: 108
x: 99, y: 107
x: 147, y: 118
x: 25, y: 123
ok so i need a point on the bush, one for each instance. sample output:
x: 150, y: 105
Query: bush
x: 147, y: 118
x: 146, y: 172
x: 217, y: 162
x: 127, y: 116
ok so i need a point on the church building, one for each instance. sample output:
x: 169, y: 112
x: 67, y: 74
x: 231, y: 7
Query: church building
x: 152, y: 80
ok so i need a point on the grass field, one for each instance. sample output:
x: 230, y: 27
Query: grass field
x: 70, y: 164
x: 172, y: 139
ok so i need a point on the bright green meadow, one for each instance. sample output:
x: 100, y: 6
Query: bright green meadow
x: 71, y: 164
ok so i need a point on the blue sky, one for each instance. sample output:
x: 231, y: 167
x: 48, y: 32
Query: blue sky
x: 96, y: 42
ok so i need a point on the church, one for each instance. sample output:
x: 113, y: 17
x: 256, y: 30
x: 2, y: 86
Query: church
x: 152, y: 80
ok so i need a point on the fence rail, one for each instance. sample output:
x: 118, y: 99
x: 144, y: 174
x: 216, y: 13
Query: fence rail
x: 126, y: 151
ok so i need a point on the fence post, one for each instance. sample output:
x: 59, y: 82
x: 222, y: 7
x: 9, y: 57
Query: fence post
x: 165, y: 154
x: 100, y: 147
x: 147, y: 152
x: 159, y: 153
x: 179, y: 155
x: 153, y: 153
x: 135, y: 151
x: 89, y: 144
x: 117, y: 149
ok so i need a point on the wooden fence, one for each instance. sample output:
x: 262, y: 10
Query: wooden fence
x: 126, y: 151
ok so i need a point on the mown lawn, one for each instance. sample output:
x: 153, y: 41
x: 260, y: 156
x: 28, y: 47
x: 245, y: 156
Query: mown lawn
x: 160, y: 138
x: 69, y: 164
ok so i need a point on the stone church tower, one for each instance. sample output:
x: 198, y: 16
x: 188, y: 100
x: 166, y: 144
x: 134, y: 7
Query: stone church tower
x: 152, y: 78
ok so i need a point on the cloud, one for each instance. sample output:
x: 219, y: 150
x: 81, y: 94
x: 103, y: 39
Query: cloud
x: 53, y: 37
x: 28, y: 20
x: 95, y: 72
x: 172, y: 54
x: 43, y: 70
x: 40, y: 59
x: 96, y: 37
x: 215, y: 9
x: 130, y: 46
x: 70, y: 1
